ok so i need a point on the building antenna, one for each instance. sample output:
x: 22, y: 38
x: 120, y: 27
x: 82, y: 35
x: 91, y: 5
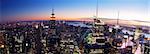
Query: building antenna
x: 117, y: 24
x: 97, y: 9
x: 118, y: 18
x: 52, y: 12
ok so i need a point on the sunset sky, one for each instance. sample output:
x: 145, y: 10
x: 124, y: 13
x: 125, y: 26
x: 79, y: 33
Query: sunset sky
x: 74, y: 9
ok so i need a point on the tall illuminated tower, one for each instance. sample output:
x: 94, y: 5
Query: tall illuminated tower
x: 53, y: 23
x: 52, y: 18
x: 98, y: 37
x: 52, y: 14
x: 52, y: 38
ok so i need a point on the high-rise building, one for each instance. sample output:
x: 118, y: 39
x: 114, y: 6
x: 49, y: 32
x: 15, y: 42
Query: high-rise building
x: 98, y: 35
x: 97, y: 39
x: 2, y: 43
x: 52, y: 38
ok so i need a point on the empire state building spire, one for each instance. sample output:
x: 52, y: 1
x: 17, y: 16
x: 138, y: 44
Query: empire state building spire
x: 52, y: 14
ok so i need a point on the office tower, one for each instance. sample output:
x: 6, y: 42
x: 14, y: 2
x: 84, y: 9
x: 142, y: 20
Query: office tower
x: 2, y: 49
x: 52, y: 38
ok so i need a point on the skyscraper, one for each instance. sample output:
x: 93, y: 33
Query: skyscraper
x: 52, y: 38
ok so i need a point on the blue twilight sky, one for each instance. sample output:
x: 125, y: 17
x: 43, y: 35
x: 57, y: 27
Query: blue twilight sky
x: 28, y: 9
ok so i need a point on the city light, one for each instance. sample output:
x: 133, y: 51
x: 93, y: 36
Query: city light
x: 74, y: 27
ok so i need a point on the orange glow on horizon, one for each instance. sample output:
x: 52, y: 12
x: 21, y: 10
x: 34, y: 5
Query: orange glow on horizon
x: 56, y: 18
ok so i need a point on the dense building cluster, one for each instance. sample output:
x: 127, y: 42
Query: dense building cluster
x: 37, y: 37
x: 72, y: 37
x: 41, y: 37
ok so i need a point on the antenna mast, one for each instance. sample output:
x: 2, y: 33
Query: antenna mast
x: 52, y: 12
x: 118, y: 18
x: 97, y: 9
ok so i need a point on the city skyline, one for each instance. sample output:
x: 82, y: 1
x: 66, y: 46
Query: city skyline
x: 74, y: 9
x: 74, y: 27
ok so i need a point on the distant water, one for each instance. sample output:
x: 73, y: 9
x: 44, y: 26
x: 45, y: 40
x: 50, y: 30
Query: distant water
x: 147, y: 35
x: 78, y: 24
x: 84, y: 25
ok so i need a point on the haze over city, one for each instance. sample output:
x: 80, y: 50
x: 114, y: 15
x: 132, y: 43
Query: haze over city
x: 74, y: 9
